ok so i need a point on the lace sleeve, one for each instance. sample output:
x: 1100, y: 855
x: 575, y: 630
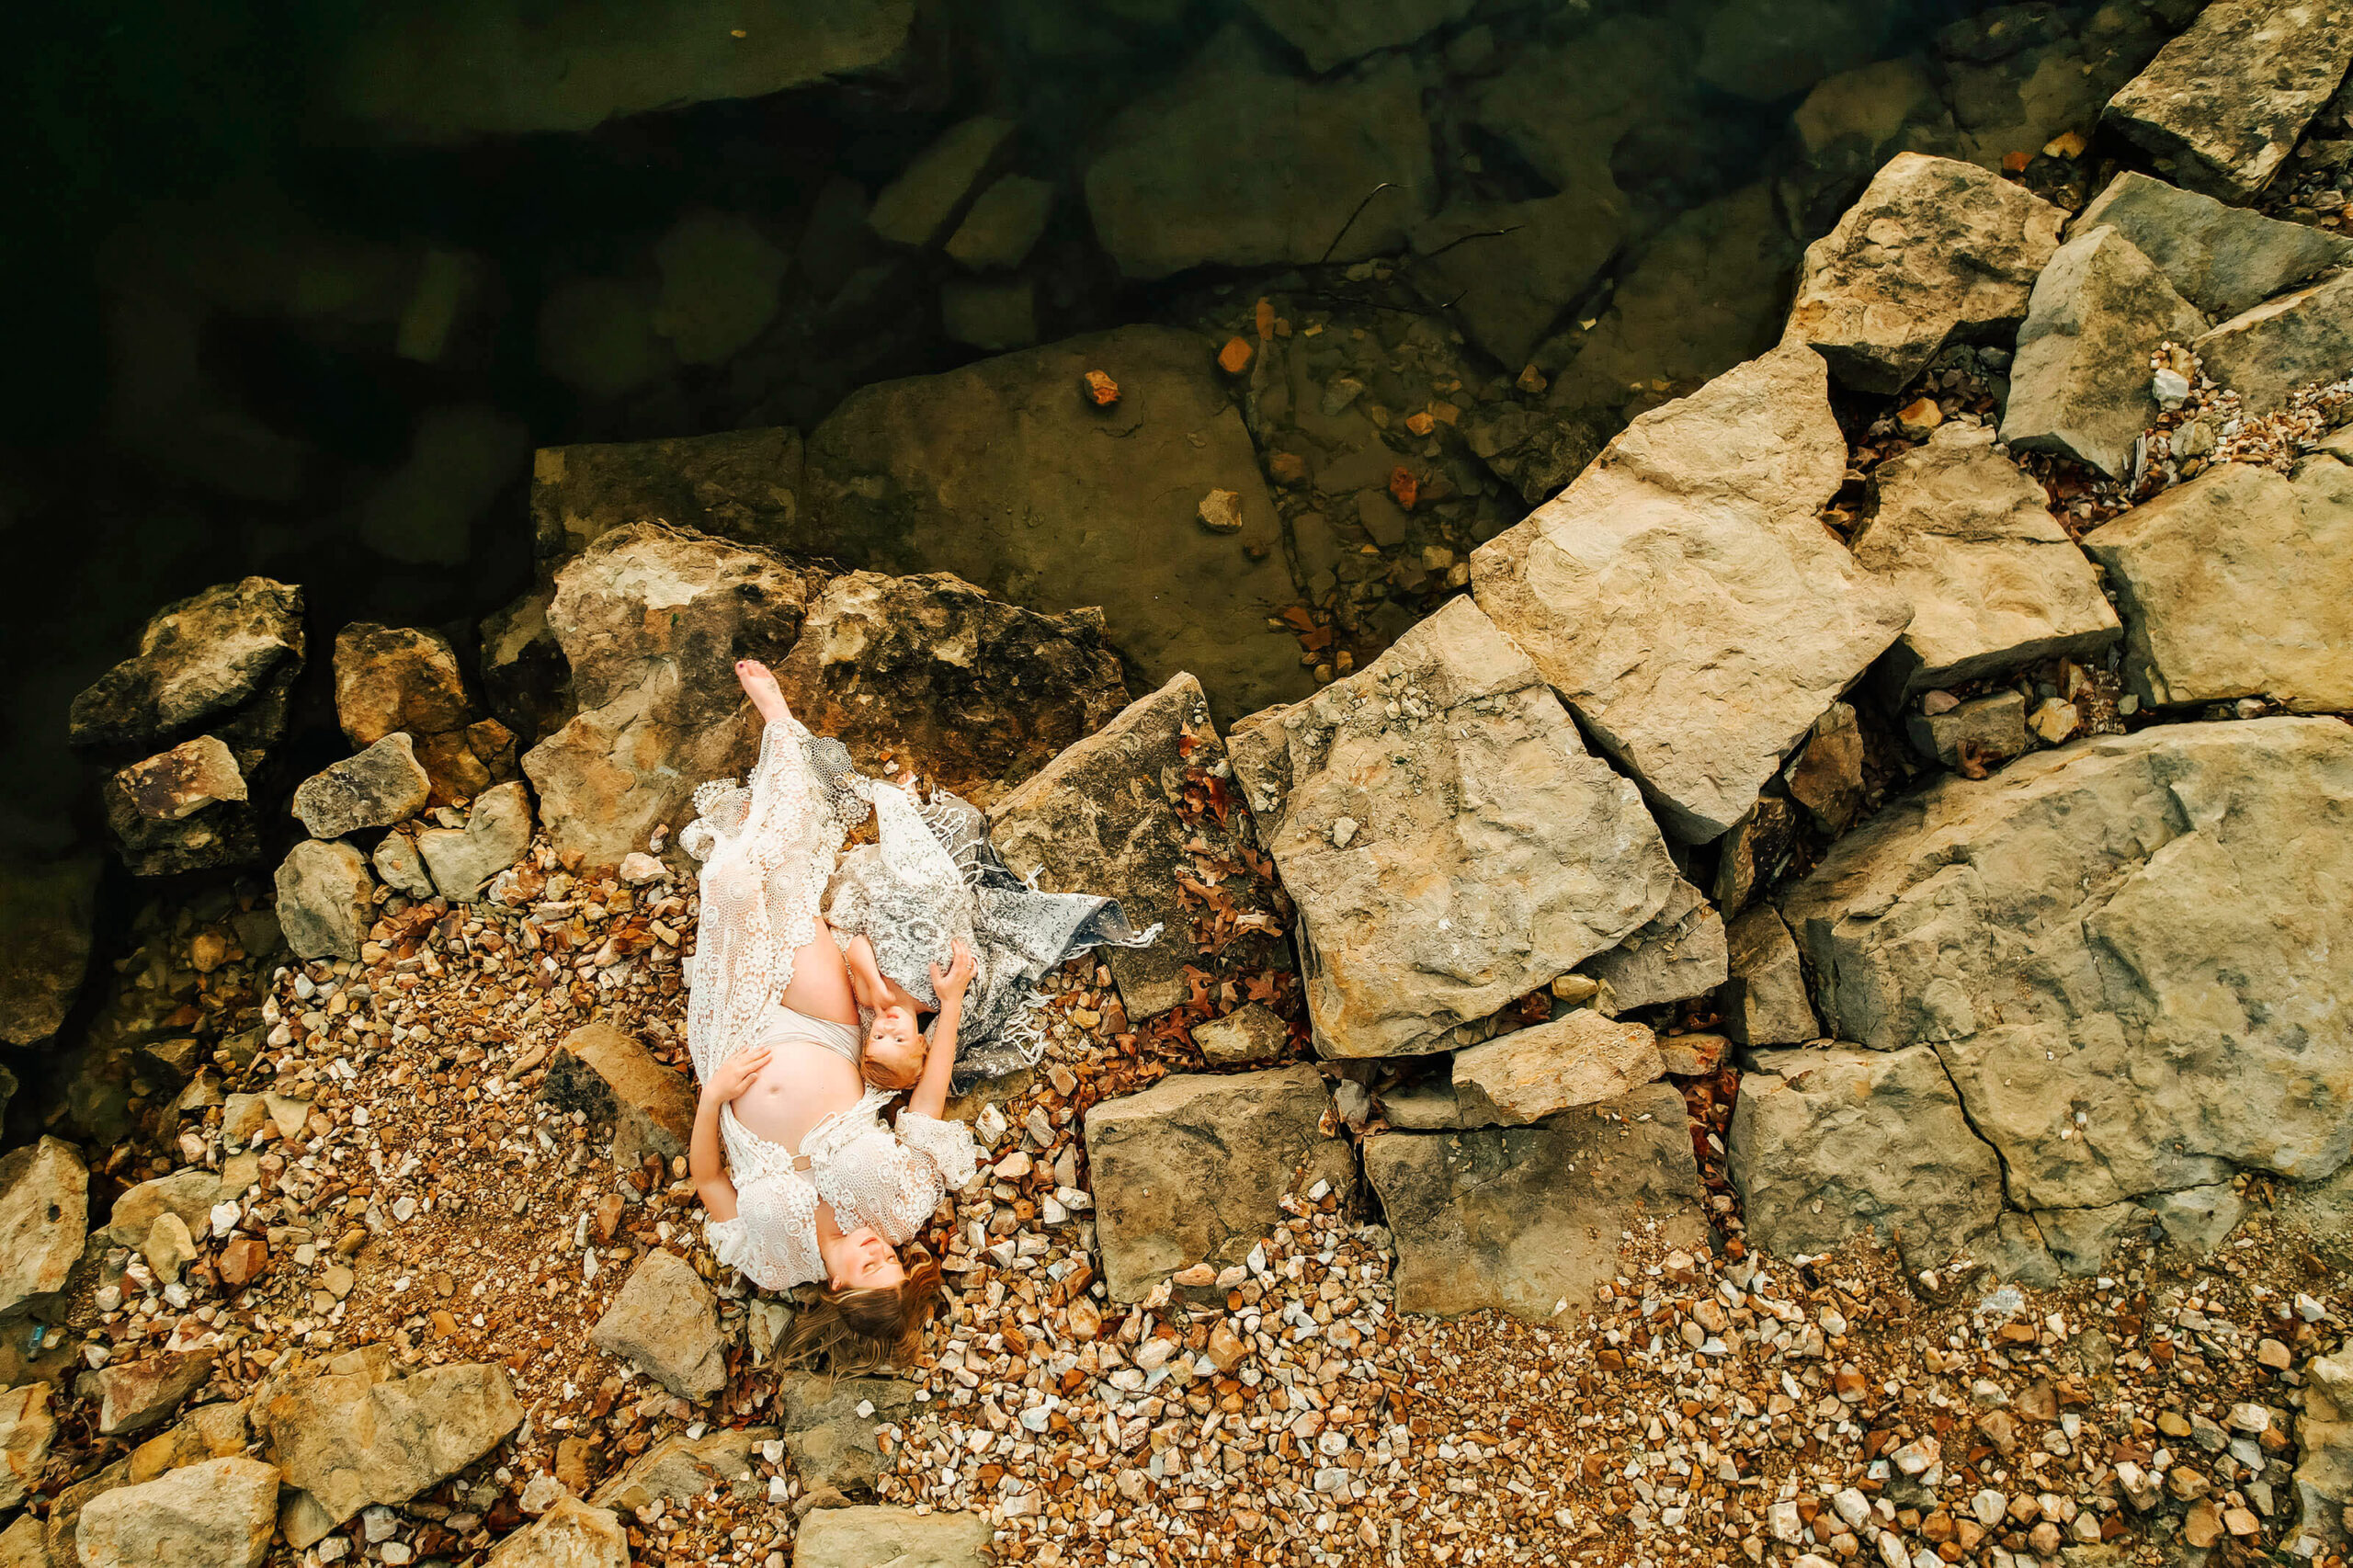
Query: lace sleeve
x: 766, y: 846
x: 773, y: 1238
x: 943, y: 1148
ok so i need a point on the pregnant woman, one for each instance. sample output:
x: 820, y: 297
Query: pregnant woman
x: 803, y: 1182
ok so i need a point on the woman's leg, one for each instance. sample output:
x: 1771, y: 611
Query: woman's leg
x: 819, y: 985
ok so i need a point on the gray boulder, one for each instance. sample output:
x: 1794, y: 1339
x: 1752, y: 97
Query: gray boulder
x: 664, y: 1321
x: 2238, y: 584
x: 223, y: 661
x: 1195, y: 1168
x: 1058, y: 504
x: 2120, y: 952
x: 46, y: 911
x: 376, y: 789
x: 451, y: 73
x: 2080, y: 383
x: 1682, y: 597
x: 1995, y: 583
x: 219, y: 1514
x: 44, y: 1212
x: 1448, y: 840
x: 860, y: 1537
x: 2222, y: 105
x: 183, y: 809
x: 1526, y: 1220
x: 1108, y: 816
x: 569, y: 1535
x: 2266, y: 353
x: 1238, y: 163
x: 938, y: 674
x: 497, y: 834
x: 652, y: 619
x: 348, y: 1438
x: 1826, y: 1143
x: 1764, y: 1002
x: 1676, y: 953
x: 1935, y: 252
x: 325, y: 899
x: 2222, y: 259
x: 1579, y: 1057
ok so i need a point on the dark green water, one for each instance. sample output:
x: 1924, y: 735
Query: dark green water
x: 295, y: 290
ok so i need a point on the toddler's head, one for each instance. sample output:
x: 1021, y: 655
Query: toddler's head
x: 894, y: 1050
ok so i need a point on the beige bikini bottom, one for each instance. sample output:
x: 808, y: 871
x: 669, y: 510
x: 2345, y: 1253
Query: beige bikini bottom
x: 785, y: 1025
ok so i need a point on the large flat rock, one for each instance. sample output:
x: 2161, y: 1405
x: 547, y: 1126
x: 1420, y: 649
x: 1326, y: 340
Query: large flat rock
x: 2125, y: 952
x: 2222, y: 259
x: 861, y: 1537
x: 2080, y: 383
x: 1195, y: 1168
x: 1935, y: 250
x: 1005, y: 474
x: 347, y: 1437
x: 2221, y: 106
x: 1830, y: 1142
x: 1449, y: 841
x: 2238, y: 584
x: 453, y: 70
x: 1682, y: 597
x: 1111, y: 815
x: 1994, y: 581
x: 1241, y: 164
x: 1527, y: 1219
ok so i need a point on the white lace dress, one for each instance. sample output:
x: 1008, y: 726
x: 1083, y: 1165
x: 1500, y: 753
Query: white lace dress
x: 768, y: 846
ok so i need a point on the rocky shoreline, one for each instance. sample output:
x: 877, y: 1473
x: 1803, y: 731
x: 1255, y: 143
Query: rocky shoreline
x: 1794, y: 1019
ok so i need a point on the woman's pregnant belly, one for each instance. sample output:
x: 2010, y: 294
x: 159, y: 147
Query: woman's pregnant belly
x: 802, y: 1085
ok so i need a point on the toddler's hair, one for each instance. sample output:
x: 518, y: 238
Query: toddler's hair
x: 884, y: 1075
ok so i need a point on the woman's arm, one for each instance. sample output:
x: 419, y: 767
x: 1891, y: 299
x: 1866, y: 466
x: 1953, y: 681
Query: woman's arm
x: 931, y: 1094
x: 706, y: 1161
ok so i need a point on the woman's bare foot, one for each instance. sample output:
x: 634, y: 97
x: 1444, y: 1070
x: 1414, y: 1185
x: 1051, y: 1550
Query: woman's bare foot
x: 761, y: 687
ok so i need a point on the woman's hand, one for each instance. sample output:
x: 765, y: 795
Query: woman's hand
x: 735, y: 1074
x: 959, y: 974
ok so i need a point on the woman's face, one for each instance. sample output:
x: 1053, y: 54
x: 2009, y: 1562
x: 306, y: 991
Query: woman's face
x: 862, y: 1260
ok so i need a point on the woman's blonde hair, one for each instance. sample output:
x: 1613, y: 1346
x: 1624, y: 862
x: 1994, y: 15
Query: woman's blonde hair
x: 858, y: 1330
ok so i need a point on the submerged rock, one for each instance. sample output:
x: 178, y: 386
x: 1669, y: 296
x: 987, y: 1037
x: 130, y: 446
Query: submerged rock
x: 1527, y: 1219
x: 1509, y: 269
x: 917, y: 208
x: 2222, y: 259
x: 1195, y: 1168
x: 2238, y: 584
x: 738, y: 484
x: 2221, y: 106
x: 2119, y: 951
x: 2080, y: 382
x: 1329, y: 35
x: 1004, y: 473
x: 1105, y: 817
x: 1682, y: 597
x: 448, y: 71
x: 1491, y: 852
x: 1995, y: 583
x: 1238, y: 163
x: 46, y: 910
x: 932, y: 671
x: 1935, y: 252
